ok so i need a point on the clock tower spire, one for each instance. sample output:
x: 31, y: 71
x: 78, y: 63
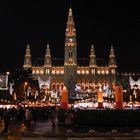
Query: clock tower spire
x: 70, y: 41
x: 70, y: 61
x: 70, y: 34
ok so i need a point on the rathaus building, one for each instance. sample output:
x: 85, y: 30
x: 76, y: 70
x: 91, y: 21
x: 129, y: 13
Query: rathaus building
x: 70, y: 72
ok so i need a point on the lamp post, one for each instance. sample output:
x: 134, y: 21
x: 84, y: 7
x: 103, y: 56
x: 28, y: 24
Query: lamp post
x: 25, y: 84
x: 7, y: 73
x: 135, y: 88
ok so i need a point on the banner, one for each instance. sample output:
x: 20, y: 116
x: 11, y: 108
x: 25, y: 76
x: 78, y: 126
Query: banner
x: 3, y: 82
x: 44, y: 84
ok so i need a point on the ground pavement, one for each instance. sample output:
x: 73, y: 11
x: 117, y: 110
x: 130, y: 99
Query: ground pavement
x: 44, y: 129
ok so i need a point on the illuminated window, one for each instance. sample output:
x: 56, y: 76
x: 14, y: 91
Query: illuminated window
x: 41, y: 72
x: 78, y: 71
x: 98, y: 72
x: 57, y: 72
x: 53, y: 71
x: 93, y: 71
x: 106, y: 72
x: 83, y: 72
x: 103, y: 72
x: 47, y: 71
x: 62, y: 72
x: 113, y: 71
x: 37, y: 71
x: 87, y: 72
x: 33, y: 72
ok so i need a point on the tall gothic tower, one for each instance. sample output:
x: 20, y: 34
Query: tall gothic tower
x: 27, y: 59
x: 70, y: 61
x: 112, y: 61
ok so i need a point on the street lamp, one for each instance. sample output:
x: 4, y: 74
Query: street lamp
x: 25, y: 84
x: 7, y: 74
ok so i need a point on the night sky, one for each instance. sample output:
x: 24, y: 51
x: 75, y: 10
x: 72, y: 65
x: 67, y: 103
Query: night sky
x: 40, y: 22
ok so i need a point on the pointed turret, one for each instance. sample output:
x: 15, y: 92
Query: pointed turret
x: 27, y: 59
x: 112, y: 58
x: 47, y: 60
x: 92, y: 62
x: 70, y: 29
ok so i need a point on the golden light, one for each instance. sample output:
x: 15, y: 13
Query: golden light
x: 37, y: 71
x: 98, y: 71
x: 103, y: 72
x: 107, y: 72
x: 100, y: 89
x: 78, y: 71
x: 87, y: 72
x: 53, y: 71
x: 62, y: 72
x: 33, y: 72
x: 57, y: 72
x: 100, y: 97
x: 7, y: 72
x: 25, y: 83
x: 64, y: 88
x: 83, y: 72
x: 41, y: 72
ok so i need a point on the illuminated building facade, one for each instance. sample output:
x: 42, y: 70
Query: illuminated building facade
x: 71, y: 72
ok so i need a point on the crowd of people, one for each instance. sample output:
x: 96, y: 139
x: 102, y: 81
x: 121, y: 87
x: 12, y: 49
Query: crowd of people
x: 30, y: 115
x: 26, y: 116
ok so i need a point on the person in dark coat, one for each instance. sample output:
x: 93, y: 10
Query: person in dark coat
x: 34, y: 115
x: 6, y: 121
x: 53, y: 116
